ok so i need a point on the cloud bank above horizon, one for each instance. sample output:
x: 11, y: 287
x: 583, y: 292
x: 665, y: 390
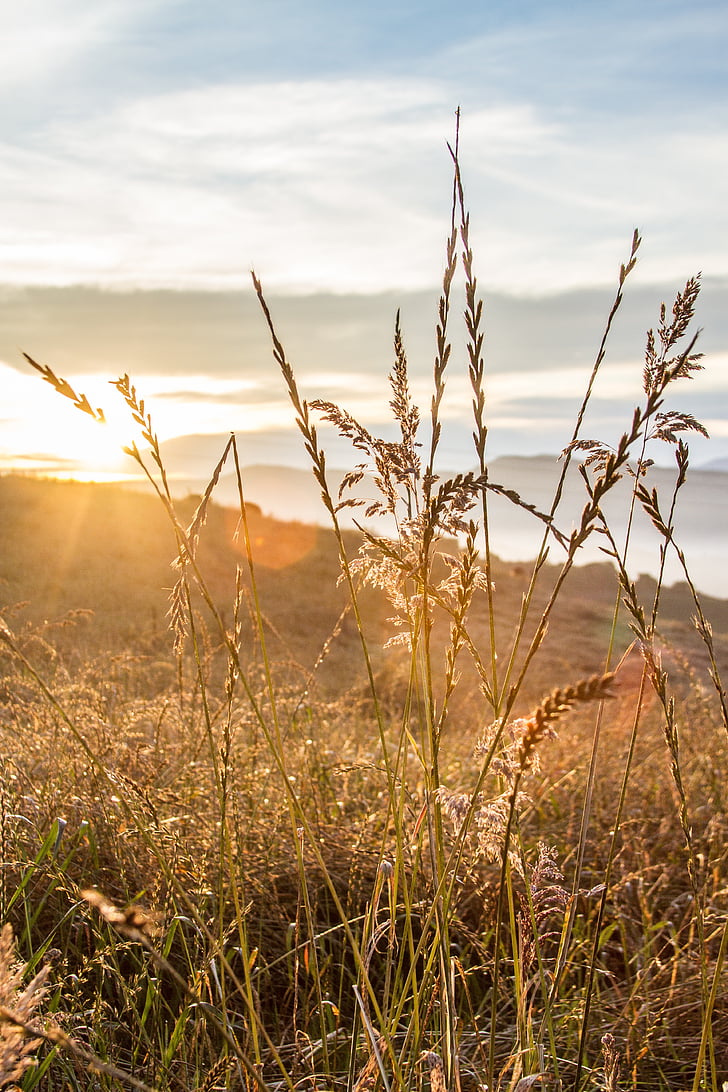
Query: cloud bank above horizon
x: 159, y: 146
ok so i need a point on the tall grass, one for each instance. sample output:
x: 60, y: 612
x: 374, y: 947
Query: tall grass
x: 238, y: 883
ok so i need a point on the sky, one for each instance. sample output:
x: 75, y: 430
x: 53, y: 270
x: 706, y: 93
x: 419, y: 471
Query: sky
x: 155, y: 151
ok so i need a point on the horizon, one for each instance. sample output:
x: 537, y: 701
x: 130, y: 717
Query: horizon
x: 292, y: 494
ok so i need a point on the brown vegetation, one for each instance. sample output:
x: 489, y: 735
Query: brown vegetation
x: 396, y: 812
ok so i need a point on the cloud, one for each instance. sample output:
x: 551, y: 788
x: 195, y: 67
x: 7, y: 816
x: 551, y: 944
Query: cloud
x: 342, y: 184
x: 51, y: 48
x: 41, y: 38
x: 195, y: 187
x: 157, y: 145
x: 330, y: 338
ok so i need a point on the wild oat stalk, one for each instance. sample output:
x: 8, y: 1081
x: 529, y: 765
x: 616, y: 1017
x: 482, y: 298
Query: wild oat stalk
x: 476, y: 373
x: 541, y: 557
x: 182, y: 605
x: 494, y: 819
x: 318, y: 462
x: 443, y: 347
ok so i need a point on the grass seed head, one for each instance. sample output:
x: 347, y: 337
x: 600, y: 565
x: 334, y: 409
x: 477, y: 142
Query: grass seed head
x: 18, y: 1007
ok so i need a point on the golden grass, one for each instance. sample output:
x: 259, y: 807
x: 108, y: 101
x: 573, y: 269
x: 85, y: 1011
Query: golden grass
x: 341, y: 839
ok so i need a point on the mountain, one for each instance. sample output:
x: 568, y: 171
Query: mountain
x: 86, y: 568
x: 701, y: 514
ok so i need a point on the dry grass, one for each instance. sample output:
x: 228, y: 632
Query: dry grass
x: 291, y: 857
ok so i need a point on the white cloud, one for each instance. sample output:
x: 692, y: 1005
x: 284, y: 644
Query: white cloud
x: 345, y: 185
x: 318, y: 185
x: 43, y: 40
x: 577, y: 125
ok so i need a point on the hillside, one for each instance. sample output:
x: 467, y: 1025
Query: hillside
x: 67, y: 548
x: 701, y: 516
x: 270, y: 815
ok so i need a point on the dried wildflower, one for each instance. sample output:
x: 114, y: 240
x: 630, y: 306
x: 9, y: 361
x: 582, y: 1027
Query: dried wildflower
x: 63, y: 387
x: 669, y: 423
x: 659, y: 371
x: 402, y: 406
x: 215, y: 1078
x: 456, y: 806
x: 559, y: 701
x: 517, y: 757
x: 505, y: 762
x: 395, y: 468
x: 491, y: 821
x: 488, y: 737
x: 660, y: 368
x: 547, y: 891
x: 17, y: 1009
x: 453, y: 500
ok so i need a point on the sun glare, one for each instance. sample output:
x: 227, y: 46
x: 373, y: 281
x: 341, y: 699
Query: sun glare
x: 57, y: 438
x: 98, y: 449
x: 93, y: 448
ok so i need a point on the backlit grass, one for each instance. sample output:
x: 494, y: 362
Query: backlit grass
x: 392, y: 812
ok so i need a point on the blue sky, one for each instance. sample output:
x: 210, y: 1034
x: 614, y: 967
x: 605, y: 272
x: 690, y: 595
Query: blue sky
x: 168, y: 147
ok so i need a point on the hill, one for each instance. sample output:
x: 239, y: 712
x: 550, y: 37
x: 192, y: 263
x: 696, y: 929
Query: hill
x: 89, y: 567
x: 257, y: 817
x: 701, y: 517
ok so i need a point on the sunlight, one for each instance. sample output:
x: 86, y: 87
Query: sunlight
x: 56, y: 437
x: 97, y: 448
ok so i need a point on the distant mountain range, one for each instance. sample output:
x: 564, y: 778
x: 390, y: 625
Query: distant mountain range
x: 292, y: 494
x: 701, y: 519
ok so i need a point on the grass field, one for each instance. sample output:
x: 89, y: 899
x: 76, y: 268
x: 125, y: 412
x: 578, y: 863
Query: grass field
x: 383, y: 810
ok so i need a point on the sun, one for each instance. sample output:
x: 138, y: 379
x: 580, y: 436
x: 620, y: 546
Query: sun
x: 68, y: 442
x: 97, y: 449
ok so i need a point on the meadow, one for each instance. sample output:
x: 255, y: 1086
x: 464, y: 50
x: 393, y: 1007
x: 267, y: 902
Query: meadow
x: 380, y: 810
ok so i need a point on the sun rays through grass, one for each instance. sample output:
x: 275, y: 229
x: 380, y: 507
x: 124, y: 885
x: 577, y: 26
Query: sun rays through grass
x: 424, y: 820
